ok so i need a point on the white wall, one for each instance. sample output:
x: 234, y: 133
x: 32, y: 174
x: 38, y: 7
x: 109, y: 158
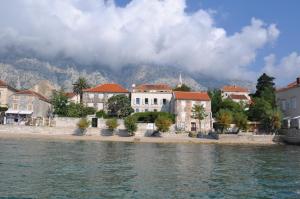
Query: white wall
x: 151, y: 106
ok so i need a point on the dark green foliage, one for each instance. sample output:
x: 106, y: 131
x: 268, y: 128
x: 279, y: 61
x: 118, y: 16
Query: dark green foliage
x: 232, y: 106
x: 163, y: 123
x: 183, y: 87
x: 241, y: 121
x: 199, y: 113
x: 224, y: 118
x: 79, y: 110
x: 79, y: 86
x: 59, y: 101
x: 3, y: 109
x: 83, y: 124
x: 258, y: 109
x: 150, y: 117
x: 119, y: 106
x: 130, y: 125
x: 101, y: 114
x: 216, y: 100
x: 265, y: 89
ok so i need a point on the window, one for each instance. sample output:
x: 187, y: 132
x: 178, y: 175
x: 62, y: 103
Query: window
x: 164, y: 101
x: 137, y: 110
x: 15, y: 106
x: 29, y: 107
x: 15, y: 97
x: 146, y: 101
x: 155, y: 110
x: 283, y: 105
x: 137, y: 100
x: 146, y: 110
x: 155, y: 101
x: 203, y: 104
x: 293, y: 103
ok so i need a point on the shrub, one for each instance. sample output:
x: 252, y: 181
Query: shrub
x: 112, y: 124
x: 83, y: 124
x: 163, y: 123
x: 192, y: 134
x: 101, y: 114
x: 130, y: 125
x: 150, y: 117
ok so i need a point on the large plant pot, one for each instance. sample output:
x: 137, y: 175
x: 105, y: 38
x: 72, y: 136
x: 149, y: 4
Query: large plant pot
x: 107, y: 132
x: 124, y: 133
x: 80, y: 132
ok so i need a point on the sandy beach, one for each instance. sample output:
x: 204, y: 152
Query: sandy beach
x: 134, y: 139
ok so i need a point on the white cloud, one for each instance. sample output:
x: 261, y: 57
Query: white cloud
x: 286, y: 70
x: 144, y: 32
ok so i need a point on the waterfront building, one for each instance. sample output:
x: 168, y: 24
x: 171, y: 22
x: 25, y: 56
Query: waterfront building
x: 151, y: 98
x: 5, y: 92
x: 98, y: 96
x: 236, y: 93
x: 182, y: 104
x: 25, y: 106
x: 288, y: 99
x: 73, y: 98
x: 44, y: 87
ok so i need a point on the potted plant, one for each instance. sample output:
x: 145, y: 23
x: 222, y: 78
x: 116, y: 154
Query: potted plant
x: 82, y: 125
x: 130, y: 125
x: 112, y: 124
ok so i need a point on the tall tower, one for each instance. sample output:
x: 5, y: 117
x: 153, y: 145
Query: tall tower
x: 180, y: 81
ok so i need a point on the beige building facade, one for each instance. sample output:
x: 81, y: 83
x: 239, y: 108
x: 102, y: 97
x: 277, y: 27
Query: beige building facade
x: 183, y: 102
x: 5, y: 92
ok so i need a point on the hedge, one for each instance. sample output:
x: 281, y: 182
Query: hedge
x: 150, y: 117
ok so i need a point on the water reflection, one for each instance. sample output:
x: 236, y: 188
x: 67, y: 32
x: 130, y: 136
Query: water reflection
x: 80, y: 169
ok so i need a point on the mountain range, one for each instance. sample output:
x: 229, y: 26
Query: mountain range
x: 23, y: 73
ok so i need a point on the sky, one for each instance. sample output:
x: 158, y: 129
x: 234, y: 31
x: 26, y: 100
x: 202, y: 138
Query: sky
x: 219, y: 38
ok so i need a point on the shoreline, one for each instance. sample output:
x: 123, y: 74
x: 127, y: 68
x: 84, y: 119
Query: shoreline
x: 181, y: 139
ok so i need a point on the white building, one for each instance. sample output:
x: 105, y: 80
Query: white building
x: 98, y: 96
x: 288, y: 99
x: 151, y: 98
x: 73, y: 98
x: 236, y: 93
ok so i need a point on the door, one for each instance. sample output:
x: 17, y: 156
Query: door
x: 193, y: 126
x: 95, y: 122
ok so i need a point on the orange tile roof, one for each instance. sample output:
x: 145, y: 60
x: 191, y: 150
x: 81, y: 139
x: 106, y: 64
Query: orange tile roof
x: 70, y: 95
x: 234, y: 89
x: 148, y: 87
x: 107, y: 88
x: 29, y: 92
x: 196, y: 96
x: 289, y: 86
x: 238, y: 97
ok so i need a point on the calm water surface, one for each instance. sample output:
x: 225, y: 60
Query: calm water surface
x: 85, y: 169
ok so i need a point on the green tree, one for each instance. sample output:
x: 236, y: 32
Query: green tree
x: 232, y: 106
x: 183, y: 87
x: 224, y: 118
x: 265, y: 89
x: 130, y: 125
x: 119, y: 106
x: 241, y: 121
x: 199, y: 113
x: 216, y: 100
x: 79, y: 86
x: 272, y: 121
x: 79, y: 110
x: 59, y: 101
x: 259, y: 109
x: 112, y: 124
x: 163, y: 123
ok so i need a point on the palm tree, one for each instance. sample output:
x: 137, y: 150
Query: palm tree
x: 199, y: 113
x: 79, y: 86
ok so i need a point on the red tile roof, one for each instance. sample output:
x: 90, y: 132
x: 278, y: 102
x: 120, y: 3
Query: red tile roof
x: 148, y: 87
x: 234, y: 89
x: 32, y: 93
x: 196, y: 96
x: 238, y: 97
x: 107, y: 88
x: 4, y: 84
x: 289, y: 86
x: 70, y: 95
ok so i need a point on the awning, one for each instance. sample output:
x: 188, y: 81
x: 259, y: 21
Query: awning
x: 9, y: 111
x: 25, y: 112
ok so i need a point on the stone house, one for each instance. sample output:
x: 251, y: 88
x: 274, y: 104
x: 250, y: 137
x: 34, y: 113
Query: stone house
x: 183, y: 102
x: 27, y: 105
x: 236, y: 93
x: 151, y: 97
x: 73, y: 98
x: 5, y: 92
x: 98, y: 96
x: 288, y: 99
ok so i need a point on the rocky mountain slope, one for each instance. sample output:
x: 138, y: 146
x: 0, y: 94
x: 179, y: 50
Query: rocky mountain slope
x: 25, y: 72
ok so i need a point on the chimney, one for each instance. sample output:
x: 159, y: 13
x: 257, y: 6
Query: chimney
x: 298, y: 80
